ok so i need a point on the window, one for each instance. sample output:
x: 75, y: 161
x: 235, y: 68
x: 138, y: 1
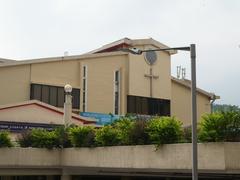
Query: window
x: 53, y: 95
x: 148, y: 106
x: 84, y: 81
x: 117, y: 92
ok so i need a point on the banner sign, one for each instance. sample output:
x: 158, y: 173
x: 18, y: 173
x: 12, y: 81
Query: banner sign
x: 19, y: 126
x: 102, y: 119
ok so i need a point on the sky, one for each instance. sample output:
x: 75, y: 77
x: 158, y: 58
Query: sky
x: 46, y: 28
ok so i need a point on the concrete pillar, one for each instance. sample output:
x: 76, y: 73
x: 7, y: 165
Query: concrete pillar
x: 68, y: 105
x: 66, y: 177
x: 50, y: 178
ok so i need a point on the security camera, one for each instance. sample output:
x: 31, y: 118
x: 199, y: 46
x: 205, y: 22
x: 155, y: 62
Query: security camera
x: 135, y: 50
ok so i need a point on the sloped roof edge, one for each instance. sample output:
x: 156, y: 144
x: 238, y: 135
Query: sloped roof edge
x: 187, y: 83
x: 133, y: 42
x: 85, y: 120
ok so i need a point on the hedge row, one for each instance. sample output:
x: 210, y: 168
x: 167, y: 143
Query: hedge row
x: 216, y: 127
x: 160, y: 130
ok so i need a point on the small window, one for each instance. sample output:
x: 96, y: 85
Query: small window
x: 60, y: 97
x: 117, y: 92
x: 53, y: 96
x: 45, y: 94
x: 84, y: 82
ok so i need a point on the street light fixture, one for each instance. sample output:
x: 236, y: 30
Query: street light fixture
x: 192, y: 50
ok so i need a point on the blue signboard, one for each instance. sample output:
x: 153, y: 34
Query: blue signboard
x: 102, y: 119
x: 19, y: 126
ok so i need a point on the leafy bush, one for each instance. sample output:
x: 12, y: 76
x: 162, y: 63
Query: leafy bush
x: 82, y: 136
x: 5, y: 140
x: 187, y: 134
x: 138, y: 134
x: 39, y: 138
x: 25, y: 139
x: 164, y: 130
x: 63, y: 139
x: 42, y: 138
x: 107, y: 136
x: 124, y: 127
x: 221, y: 126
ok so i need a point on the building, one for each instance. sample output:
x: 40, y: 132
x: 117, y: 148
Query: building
x: 18, y: 117
x: 105, y: 80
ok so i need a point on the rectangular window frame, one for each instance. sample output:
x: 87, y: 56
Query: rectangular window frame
x: 85, y: 88
x: 156, y: 106
x: 117, y: 107
x: 58, y: 88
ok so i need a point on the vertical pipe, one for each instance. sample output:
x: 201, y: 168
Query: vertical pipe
x: 194, y: 113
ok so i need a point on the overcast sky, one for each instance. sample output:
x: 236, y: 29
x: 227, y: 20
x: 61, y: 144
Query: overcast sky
x: 43, y: 28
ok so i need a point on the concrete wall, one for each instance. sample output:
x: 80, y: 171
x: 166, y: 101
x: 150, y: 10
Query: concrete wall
x: 15, y: 86
x: 213, y: 158
x: 57, y: 73
x: 181, y: 103
x: 140, y: 85
x: 100, y: 83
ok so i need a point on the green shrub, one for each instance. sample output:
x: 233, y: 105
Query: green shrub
x: 107, y: 136
x: 124, y: 126
x: 82, y: 136
x: 63, y: 139
x: 5, y: 140
x: 40, y: 138
x: 220, y: 126
x: 138, y: 134
x: 164, y: 130
x: 25, y: 139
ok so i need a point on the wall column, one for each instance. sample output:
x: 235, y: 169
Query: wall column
x: 66, y: 177
x: 125, y: 178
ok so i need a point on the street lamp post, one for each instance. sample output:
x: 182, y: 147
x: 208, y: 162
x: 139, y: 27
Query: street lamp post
x: 192, y: 50
x: 67, y: 116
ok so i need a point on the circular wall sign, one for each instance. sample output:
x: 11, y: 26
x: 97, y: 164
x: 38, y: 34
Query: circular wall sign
x: 150, y: 57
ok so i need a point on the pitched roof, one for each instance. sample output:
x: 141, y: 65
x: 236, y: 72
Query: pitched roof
x: 126, y: 43
x: 187, y: 83
x: 82, y: 119
x: 110, y: 49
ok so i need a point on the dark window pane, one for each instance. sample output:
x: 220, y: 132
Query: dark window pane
x: 45, y: 94
x: 36, y: 91
x: 84, y: 84
x: 148, y: 106
x: 144, y: 106
x: 131, y: 104
x: 76, y: 98
x: 60, y: 96
x: 84, y: 71
x: 53, y: 96
x: 117, y: 76
x: 84, y: 97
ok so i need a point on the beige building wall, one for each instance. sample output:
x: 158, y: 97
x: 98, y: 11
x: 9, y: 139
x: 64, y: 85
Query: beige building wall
x: 100, y: 83
x: 57, y: 73
x: 33, y: 113
x: 139, y: 85
x: 181, y: 103
x: 15, y: 86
